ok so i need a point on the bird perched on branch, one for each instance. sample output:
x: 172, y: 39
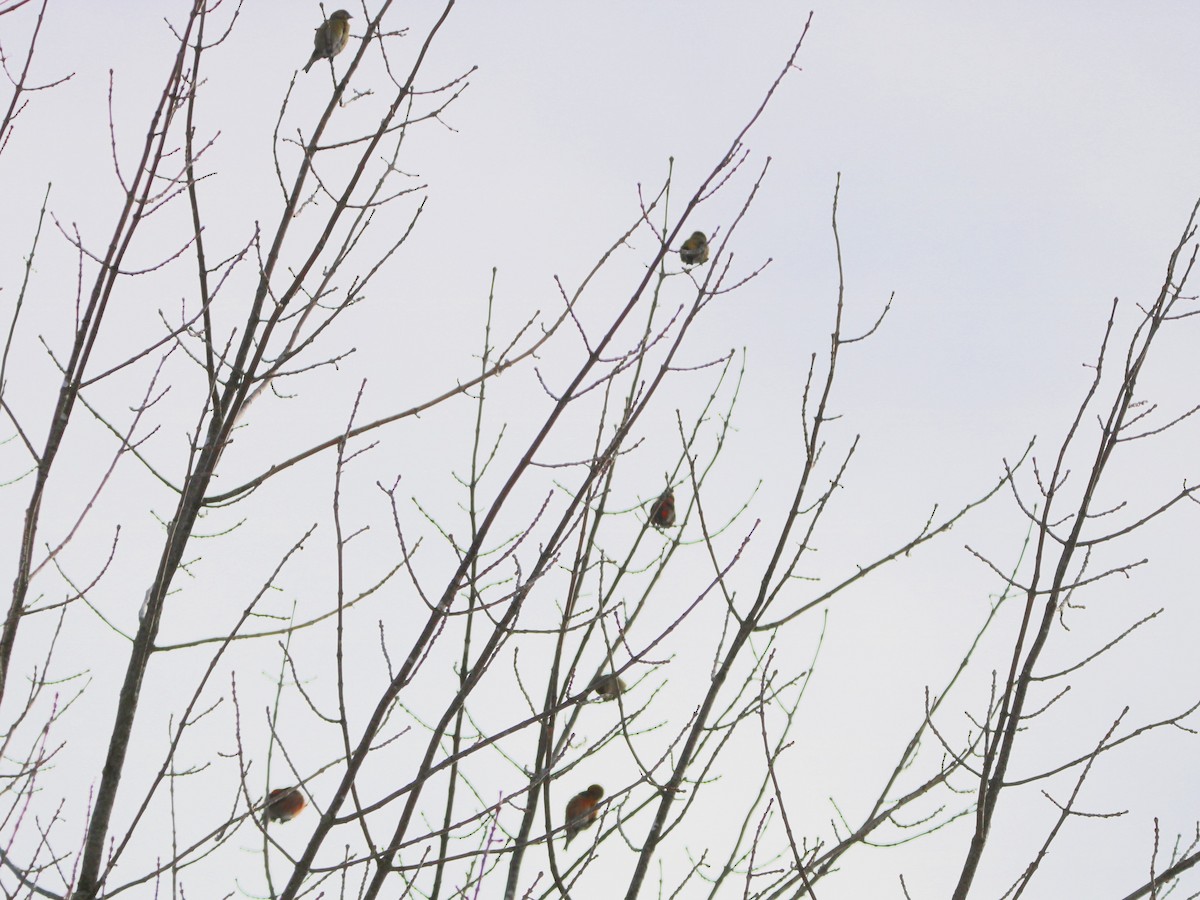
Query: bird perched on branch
x: 608, y: 686
x: 331, y: 37
x: 694, y: 250
x: 662, y: 511
x: 284, y: 804
x: 581, y: 810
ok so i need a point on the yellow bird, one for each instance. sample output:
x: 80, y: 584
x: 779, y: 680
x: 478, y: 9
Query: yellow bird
x: 331, y: 37
x: 694, y: 250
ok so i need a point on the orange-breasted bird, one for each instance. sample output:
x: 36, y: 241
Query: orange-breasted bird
x: 581, y: 810
x: 284, y: 804
x: 331, y: 37
x: 662, y: 511
x: 608, y: 686
x: 694, y: 250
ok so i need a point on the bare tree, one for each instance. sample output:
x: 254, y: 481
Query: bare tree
x: 413, y: 687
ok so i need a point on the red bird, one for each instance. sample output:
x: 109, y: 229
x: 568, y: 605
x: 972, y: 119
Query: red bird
x: 284, y: 804
x: 581, y: 810
x: 662, y: 512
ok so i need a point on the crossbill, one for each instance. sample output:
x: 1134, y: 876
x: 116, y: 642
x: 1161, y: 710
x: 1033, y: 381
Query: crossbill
x: 284, y: 804
x: 581, y: 810
x: 331, y: 37
x: 694, y: 250
x: 608, y: 686
x: 662, y: 511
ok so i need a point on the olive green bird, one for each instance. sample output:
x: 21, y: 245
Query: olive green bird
x: 607, y: 687
x: 331, y: 37
x: 694, y: 250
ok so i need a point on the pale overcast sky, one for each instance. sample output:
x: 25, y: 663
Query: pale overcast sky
x: 1006, y: 170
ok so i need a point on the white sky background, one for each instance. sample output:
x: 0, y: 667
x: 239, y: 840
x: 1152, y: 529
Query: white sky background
x: 1006, y: 171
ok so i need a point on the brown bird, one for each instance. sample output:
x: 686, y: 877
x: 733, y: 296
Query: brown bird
x: 331, y: 37
x: 694, y: 250
x: 608, y: 686
x: 581, y: 810
x: 284, y: 804
x: 662, y: 511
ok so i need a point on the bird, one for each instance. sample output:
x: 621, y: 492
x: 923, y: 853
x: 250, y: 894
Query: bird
x: 662, y: 511
x: 608, y: 686
x: 331, y: 37
x: 284, y: 804
x: 694, y: 250
x: 581, y: 810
